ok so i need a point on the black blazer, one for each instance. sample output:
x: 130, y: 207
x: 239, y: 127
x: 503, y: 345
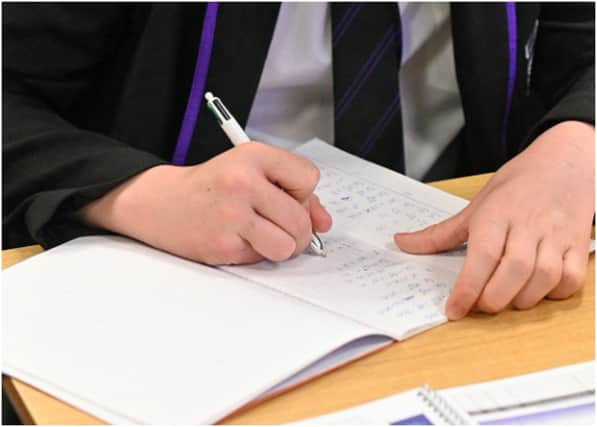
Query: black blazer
x: 95, y: 93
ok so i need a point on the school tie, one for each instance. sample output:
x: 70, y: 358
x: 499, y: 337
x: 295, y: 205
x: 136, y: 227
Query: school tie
x: 366, y: 51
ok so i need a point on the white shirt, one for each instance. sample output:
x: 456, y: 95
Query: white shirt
x: 295, y: 102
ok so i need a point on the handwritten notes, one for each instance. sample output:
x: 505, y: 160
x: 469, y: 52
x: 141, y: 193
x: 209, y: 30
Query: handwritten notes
x: 375, y: 211
x: 355, y: 198
x: 375, y: 286
x: 365, y: 277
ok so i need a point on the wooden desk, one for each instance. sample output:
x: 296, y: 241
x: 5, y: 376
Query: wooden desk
x: 477, y: 348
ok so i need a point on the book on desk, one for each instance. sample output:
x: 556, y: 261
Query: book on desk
x: 113, y: 327
x: 560, y: 396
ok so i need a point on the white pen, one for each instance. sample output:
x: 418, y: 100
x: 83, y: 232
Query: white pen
x: 237, y: 136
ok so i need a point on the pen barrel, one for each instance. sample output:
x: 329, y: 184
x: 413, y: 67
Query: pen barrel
x: 236, y: 134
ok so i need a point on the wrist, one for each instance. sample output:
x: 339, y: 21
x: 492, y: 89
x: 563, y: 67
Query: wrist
x: 129, y: 203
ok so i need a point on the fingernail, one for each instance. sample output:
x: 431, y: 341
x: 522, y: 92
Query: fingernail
x: 455, y: 311
x: 399, y: 235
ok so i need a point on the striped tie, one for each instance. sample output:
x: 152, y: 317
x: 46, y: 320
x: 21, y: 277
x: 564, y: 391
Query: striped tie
x: 366, y: 58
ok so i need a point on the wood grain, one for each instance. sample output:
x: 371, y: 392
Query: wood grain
x: 477, y: 348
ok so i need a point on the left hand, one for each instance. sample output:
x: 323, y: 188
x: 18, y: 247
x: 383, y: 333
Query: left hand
x: 527, y: 231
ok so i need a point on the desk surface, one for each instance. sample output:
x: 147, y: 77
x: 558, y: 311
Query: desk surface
x: 477, y: 348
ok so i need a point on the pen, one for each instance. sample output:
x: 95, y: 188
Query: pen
x: 237, y: 136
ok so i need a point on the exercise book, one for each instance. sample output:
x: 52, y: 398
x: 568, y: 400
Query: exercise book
x: 131, y: 334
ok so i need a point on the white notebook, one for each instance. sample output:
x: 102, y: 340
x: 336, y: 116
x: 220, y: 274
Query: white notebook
x: 560, y: 396
x: 134, y: 335
x: 421, y: 406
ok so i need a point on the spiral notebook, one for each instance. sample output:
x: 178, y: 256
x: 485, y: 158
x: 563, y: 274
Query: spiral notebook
x: 422, y: 406
x: 559, y: 396
x: 134, y: 335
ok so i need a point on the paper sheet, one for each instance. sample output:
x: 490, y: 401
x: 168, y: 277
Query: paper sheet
x: 134, y: 335
x: 364, y: 276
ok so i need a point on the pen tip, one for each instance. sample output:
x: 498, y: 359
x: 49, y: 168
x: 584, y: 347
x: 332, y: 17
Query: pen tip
x: 209, y: 96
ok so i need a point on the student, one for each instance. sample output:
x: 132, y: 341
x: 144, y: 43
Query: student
x: 98, y: 99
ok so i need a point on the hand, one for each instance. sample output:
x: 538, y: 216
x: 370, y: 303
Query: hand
x: 528, y: 230
x: 252, y: 202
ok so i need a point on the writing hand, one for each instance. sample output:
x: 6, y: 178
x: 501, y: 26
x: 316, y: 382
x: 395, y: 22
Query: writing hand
x: 252, y: 202
x: 527, y: 231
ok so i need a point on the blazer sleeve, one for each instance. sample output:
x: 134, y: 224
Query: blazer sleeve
x: 51, y: 167
x: 564, y: 63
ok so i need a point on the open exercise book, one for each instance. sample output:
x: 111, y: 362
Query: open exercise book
x: 134, y: 335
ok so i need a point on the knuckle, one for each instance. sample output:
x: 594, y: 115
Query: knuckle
x: 238, y: 182
x: 459, y: 231
x: 518, y: 263
x: 298, y: 225
x: 305, y: 232
x: 434, y: 238
x: 489, y: 254
x: 303, y: 225
x: 548, y: 272
x: 311, y: 174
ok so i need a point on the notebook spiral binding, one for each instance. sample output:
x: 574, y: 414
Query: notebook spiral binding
x: 441, y: 407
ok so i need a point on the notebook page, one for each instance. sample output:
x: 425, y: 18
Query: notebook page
x: 135, y: 335
x: 374, y: 286
x: 372, y: 202
x: 364, y: 276
x: 348, y: 352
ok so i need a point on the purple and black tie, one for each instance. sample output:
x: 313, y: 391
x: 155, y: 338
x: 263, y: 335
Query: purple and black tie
x: 366, y: 46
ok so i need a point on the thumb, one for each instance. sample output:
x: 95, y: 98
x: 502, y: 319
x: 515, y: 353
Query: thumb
x: 320, y: 217
x: 438, y: 237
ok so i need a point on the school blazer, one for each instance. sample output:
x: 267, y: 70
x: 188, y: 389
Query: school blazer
x: 94, y: 94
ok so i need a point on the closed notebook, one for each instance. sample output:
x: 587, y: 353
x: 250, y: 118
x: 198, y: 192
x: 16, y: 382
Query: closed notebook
x: 134, y: 335
x: 560, y: 396
x: 422, y: 407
